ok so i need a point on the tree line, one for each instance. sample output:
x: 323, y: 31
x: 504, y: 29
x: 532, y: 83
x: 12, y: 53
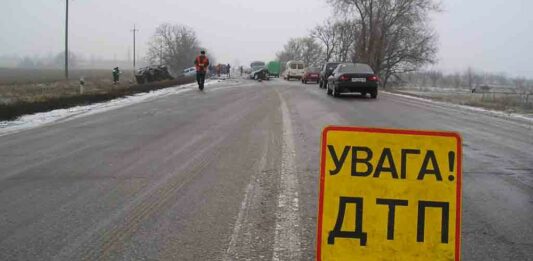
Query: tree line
x: 469, y: 79
x: 392, y: 36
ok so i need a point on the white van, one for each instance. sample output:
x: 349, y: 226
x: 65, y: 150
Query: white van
x: 294, y: 69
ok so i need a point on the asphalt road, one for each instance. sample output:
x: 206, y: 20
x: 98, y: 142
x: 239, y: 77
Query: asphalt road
x: 232, y: 174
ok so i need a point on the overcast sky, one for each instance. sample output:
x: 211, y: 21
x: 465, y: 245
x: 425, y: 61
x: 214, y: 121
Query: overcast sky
x: 489, y: 35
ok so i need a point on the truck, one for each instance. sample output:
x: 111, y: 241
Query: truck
x: 274, y: 68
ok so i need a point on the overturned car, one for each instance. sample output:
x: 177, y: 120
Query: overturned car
x: 152, y: 74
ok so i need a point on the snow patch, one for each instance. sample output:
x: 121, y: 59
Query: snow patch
x: 38, y: 119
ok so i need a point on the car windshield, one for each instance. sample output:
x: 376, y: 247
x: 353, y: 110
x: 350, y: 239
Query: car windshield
x: 257, y: 65
x: 355, y: 68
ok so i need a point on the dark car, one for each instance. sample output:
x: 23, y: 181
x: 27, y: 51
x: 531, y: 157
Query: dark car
x: 311, y: 74
x: 152, y: 74
x: 353, y: 77
x: 260, y: 74
x: 325, y: 72
x: 257, y: 69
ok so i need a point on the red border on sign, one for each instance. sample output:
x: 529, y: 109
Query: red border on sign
x: 390, y: 131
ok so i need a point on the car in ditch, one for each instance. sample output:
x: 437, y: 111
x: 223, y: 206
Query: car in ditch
x: 326, y: 71
x: 152, y: 74
x: 353, y: 77
x: 311, y: 74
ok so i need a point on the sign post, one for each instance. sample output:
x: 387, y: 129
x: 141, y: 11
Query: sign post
x: 389, y: 194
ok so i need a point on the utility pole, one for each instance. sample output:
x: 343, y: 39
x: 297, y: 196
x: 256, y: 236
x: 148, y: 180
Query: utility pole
x: 134, y: 31
x: 66, y: 41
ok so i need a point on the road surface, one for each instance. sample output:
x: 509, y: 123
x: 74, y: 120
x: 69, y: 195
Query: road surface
x: 231, y: 174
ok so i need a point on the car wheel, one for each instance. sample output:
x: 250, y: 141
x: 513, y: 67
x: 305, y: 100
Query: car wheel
x: 374, y: 94
x: 335, y: 92
x: 328, y: 91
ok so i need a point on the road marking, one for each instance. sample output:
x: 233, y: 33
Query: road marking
x: 287, y: 231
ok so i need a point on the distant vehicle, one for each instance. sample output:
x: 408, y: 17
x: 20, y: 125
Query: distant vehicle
x: 258, y: 69
x: 295, y: 69
x: 274, y: 68
x: 152, y: 74
x: 311, y: 74
x: 261, y: 74
x: 325, y: 72
x: 189, y: 72
x: 353, y: 77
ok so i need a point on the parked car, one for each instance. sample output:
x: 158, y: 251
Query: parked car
x: 325, y: 72
x: 311, y: 74
x: 189, y: 72
x: 295, y: 69
x: 353, y: 77
x: 274, y: 68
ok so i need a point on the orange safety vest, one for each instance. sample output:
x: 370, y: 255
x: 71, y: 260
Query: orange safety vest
x: 201, y: 63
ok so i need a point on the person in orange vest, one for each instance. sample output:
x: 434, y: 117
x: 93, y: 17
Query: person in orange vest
x: 202, y: 63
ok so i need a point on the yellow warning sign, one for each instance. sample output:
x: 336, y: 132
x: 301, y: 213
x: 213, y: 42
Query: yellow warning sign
x: 389, y: 194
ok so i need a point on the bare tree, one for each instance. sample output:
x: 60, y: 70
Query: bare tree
x: 173, y: 45
x: 305, y: 49
x: 346, y: 32
x: 311, y: 52
x: 327, y: 35
x: 393, y: 35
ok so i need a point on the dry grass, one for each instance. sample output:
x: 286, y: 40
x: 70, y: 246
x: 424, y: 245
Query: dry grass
x: 28, y: 85
x: 22, y: 93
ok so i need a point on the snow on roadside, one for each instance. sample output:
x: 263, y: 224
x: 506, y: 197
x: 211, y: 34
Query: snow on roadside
x: 42, y: 118
x: 517, y: 116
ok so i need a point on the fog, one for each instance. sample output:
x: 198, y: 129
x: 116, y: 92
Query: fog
x: 488, y: 35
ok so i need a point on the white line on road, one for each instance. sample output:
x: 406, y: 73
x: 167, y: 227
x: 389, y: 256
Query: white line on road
x: 231, y: 252
x: 287, y: 237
